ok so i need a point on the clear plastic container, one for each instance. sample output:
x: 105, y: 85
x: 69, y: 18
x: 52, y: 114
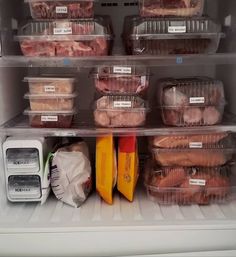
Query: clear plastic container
x: 120, y: 111
x: 50, y: 85
x: 162, y: 36
x: 50, y: 119
x: 66, y: 38
x: 51, y: 102
x: 191, y: 101
x: 61, y: 9
x: 187, y: 186
x: 164, y: 8
x: 121, y: 80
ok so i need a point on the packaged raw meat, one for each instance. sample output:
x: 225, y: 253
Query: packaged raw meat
x: 191, y: 101
x: 50, y: 119
x: 120, y: 111
x: 162, y: 36
x: 50, y: 85
x: 162, y: 8
x: 51, y: 102
x: 121, y: 80
x: 66, y: 38
x: 190, y: 185
x: 61, y: 9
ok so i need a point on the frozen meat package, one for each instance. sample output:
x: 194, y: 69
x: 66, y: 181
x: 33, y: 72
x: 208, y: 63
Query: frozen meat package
x: 191, y: 101
x: 71, y: 180
x: 61, y: 9
x: 166, y: 36
x: 167, y: 8
x: 66, y: 38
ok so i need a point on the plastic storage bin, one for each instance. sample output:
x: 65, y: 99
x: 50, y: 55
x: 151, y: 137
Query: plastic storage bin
x: 191, y: 101
x: 157, y: 8
x: 121, y: 80
x: 190, y: 185
x: 50, y: 85
x: 120, y: 111
x: 50, y: 119
x: 50, y: 9
x: 51, y: 102
x: 162, y: 36
x: 66, y: 38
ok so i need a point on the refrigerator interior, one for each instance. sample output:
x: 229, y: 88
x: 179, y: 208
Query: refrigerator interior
x: 97, y: 229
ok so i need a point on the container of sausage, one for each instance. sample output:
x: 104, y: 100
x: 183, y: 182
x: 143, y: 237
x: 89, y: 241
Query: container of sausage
x: 167, y: 36
x: 191, y: 101
x: 61, y: 9
x: 163, y: 8
x: 186, y: 186
x: 66, y: 38
x: 120, y: 111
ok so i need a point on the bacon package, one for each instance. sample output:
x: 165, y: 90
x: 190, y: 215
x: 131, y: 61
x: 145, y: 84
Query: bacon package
x: 66, y: 38
x: 162, y: 8
x: 185, y: 186
x: 191, y: 101
x: 65, y: 9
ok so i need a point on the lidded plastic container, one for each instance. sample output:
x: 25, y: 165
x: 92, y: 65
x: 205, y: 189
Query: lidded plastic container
x: 120, y: 111
x: 61, y: 9
x: 191, y: 101
x: 121, y: 80
x: 165, y: 36
x: 66, y: 38
x: 164, y: 8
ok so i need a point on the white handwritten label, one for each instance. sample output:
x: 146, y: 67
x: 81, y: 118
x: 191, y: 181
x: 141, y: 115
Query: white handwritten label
x: 143, y: 80
x: 62, y: 31
x: 195, y: 145
x: 49, y: 118
x: 122, y: 104
x: 122, y: 70
x: 49, y: 89
x: 177, y: 29
x: 61, y: 9
x: 197, y: 100
x: 197, y: 182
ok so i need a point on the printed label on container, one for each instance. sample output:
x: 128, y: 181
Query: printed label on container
x: 197, y: 182
x: 49, y: 118
x: 26, y: 164
x: 24, y: 191
x: 197, y: 100
x: 143, y: 80
x: 122, y: 104
x: 177, y: 29
x: 61, y: 9
x: 195, y: 145
x: 62, y: 31
x: 49, y: 89
x: 122, y: 70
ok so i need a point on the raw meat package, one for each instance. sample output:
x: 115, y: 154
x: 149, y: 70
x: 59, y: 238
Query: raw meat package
x: 162, y: 36
x: 191, y: 101
x: 51, y: 102
x: 66, y: 38
x: 71, y: 174
x: 50, y: 85
x: 106, y: 167
x: 61, y: 9
x: 128, y: 166
x: 121, y: 80
x: 162, y: 8
x: 50, y: 119
x: 120, y: 111
x: 190, y: 185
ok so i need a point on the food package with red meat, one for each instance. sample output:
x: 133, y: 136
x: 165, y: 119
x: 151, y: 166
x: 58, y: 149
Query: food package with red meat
x: 120, y: 111
x: 167, y: 8
x: 166, y: 36
x: 121, y: 80
x: 66, y: 38
x: 50, y: 119
x: 185, y: 186
x: 61, y: 9
x: 191, y: 101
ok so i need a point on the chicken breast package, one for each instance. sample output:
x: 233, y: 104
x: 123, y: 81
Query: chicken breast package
x: 167, y: 36
x: 180, y: 185
x: 120, y: 111
x: 191, y: 101
x: 66, y: 38
x: 121, y: 80
x: 71, y: 174
x: 163, y: 8
x: 61, y: 9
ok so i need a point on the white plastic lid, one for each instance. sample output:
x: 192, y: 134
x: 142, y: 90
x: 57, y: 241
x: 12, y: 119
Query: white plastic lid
x: 50, y: 96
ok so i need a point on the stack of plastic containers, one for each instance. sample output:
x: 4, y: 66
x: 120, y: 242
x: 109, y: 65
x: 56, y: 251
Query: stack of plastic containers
x: 121, y: 90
